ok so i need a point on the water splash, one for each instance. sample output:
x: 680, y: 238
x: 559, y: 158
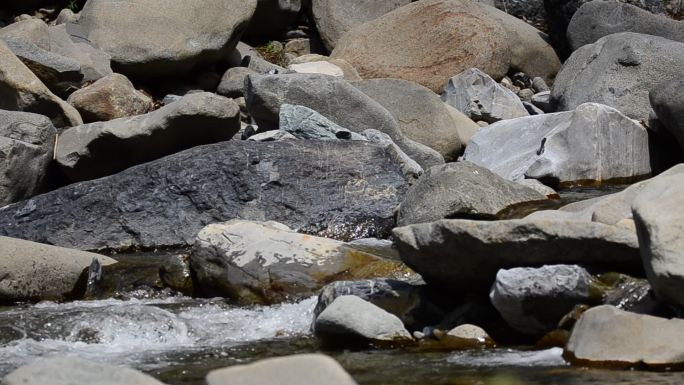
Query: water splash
x: 508, y: 357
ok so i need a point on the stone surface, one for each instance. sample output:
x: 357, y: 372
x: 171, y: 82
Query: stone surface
x: 305, y: 123
x: 618, y: 70
x: 61, y: 271
x: 320, y: 370
x: 338, y: 189
x: 273, y: 135
x: 464, y: 255
x: 26, y: 148
x: 111, y: 97
x: 272, y: 17
x: 479, y: 97
x: 317, y: 67
x: 349, y: 71
x: 466, y: 336
x: 170, y: 41
x: 605, y: 336
x: 232, y: 83
x: 461, y: 190
x: 409, y: 167
x: 334, y: 98
x: 667, y: 101
x: 592, y: 144
x: 104, y: 148
x: 427, y: 42
x: 95, y: 63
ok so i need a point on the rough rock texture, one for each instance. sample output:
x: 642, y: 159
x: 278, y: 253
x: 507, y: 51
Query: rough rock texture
x: 421, y: 115
x: 104, y: 148
x: 593, y: 143
x: 26, y: 146
x: 273, y: 135
x: 335, y: 18
x: 409, y: 167
x: 349, y: 71
x: 461, y: 190
x: 427, y: 42
x: 111, y: 97
x: 667, y: 101
x: 320, y: 370
x: 272, y: 17
x: 481, y: 98
x: 317, y: 67
x: 618, y: 70
x: 334, y: 98
x: 340, y: 189
x: 605, y: 336
x: 170, y: 40
x: 21, y: 90
x: 232, y: 83
x: 305, y: 123
x: 464, y: 256
x: 597, y: 19
x: 659, y: 218
x: 72, y: 370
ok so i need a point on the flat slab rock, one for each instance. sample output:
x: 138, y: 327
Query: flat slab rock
x: 343, y: 190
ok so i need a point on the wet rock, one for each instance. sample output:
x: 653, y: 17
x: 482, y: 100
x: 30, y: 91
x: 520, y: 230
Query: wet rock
x: 320, y: 370
x: 466, y: 337
x: 592, y: 144
x: 605, y: 336
x: 272, y: 17
x: 667, y: 101
x: 232, y: 83
x: 464, y: 256
x: 461, y: 190
x: 166, y: 202
x: 305, y: 123
x: 479, y: 97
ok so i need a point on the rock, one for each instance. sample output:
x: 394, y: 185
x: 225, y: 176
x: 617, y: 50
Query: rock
x: 596, y: 19
x: 538, y: 187
x: 542, y: 100
x: 605, y: 336
x: 299, y: 47
x: 109, y: 98
x: 618, y: 71
x: 409, y: 167
x: 461, y: 190
x: 427, y: 42
x: 479, y: 97
x: 333, y: 18
x: 421, y: 115
x: 31, y: 30
x: 531, y: 11
x: 466, y: 337
x: 658, y: 214
x: 332, y: 97
x: 350, y: 72
x: 349, y: 318
x: 26, y: 148
x: 271, y: 136
x: 667, y: 101
x: 465, y: 129
x: 176, y: 38
x: 320, y: 370
x: 592, y: 144
x: 21, y: 90
x: 166, y: 202
x: 532, y: 109
x: 232, y: 83
x: 533, y: 300
x: 526, y: 96
x: 272, y: 17
x: 72, y: 370
x: 61, y: 271
x: 464, y: 255
x: 539, y: 85
x: 104, y: 148
x: 65, y: 16
x: 95, y: 64
x: 317, y: 67
x: 305, y: 123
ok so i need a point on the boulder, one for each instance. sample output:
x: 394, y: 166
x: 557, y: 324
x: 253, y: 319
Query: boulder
x: 606, y: 336
x: 592, y: 144
x: 103, y: 148
x: 320, y: 370
x: 232, y: 83
x: 338, y: 189
x: 466, y: 337
x: 267, y: 262
x: 596, y: 19
x: 349, y: 319
x: 170, y: 41
x: 618, y: 70
x: 272, y: 17
x: 667, y: 101
x: 332, y: 97
x: 421, y: 115
x: 72, y: 370
x: 409, y: 167
x: 31, y: 30
x: 270, y: 136
x: 26, y: 148
x: 61, y: 271
x: 427, y: 42
x: 109, y: 98
x: 305, y: 123
x: 481, y: 98
x: 317, y: 67
x: 463, y: 256
x: 349, y: 71
x: 461, y: 190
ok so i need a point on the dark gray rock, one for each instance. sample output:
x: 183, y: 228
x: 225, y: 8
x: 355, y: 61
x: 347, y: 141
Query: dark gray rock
x: 667, y: 101
x: 340, y: 189
x: 272, y: 17
x: 232, y: 83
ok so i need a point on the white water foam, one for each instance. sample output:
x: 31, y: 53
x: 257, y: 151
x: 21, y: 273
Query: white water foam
x: 508, y: 357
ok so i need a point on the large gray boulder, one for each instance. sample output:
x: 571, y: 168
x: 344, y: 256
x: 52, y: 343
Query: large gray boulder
x: 605, y: 336
x: 334, y: 98
x: 593, y: 143
x: 26, y: 148
x: 62, y: 272
x: 463, y: 256
x: 338, y: 189
x: 272, y: 17
x: 667, y: 101
x: 164, y: 37
x: 597, y: 19
x: 421, y: 115
x: 103, y: 148
x: 618, y: 70
x: 461, y: 190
